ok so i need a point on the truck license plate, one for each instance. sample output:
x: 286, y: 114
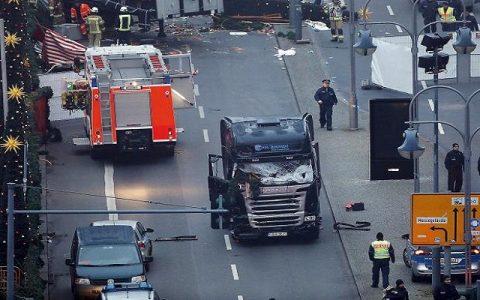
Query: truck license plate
x: 278, y: 233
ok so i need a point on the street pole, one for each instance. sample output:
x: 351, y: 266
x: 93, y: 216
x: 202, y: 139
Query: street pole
x: 25, y: 170
x: 416, y: 169
x: 468, y: 202
x: 10, y: 244
x: 353, y: 107
x: 435, y: 267
x: 291, y: 14
x: 298, y: 20
x: 4, y: 71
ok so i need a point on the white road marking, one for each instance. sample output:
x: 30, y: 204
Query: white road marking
x: 234, y: 272
x: 195, y: 90
x: 390, y: 11
x: 424, y: 84
x: 201, y: 112
x: 205, y: 136
x: 432, y: 106
x: 440, y: 129
x: 228, y: 245
x: 399, y: 29
x: 239, y: 297
x: 110, y: 190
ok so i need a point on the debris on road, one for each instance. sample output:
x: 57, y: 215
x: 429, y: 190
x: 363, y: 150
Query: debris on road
x: 281, y: 53
x: 317, y: 25
x: 177, y: 238
x: 238, y: 33
x: 359, y: 225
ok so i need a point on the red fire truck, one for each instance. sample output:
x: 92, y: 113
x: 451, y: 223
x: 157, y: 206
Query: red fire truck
x: 132, y: 93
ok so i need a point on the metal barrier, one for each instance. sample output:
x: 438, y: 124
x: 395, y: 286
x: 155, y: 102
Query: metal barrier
x: 3, y: 277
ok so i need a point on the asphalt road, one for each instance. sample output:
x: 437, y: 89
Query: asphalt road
x: 239, y: 76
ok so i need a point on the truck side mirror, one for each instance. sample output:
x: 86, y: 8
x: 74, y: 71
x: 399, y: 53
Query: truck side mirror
x: 309, y: 121
x: 147, y: 259
x: 218, y: 189
x: 406, y: 236
x: 149, y: 230
x: 68, y: 261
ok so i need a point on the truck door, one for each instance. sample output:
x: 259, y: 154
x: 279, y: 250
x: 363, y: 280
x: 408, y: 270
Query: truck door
x: 217, y: 189
x: 181, y: 71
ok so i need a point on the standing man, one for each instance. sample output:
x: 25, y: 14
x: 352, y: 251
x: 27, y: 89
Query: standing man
x: 472, y: 21
x: 380, y: 253
x: 446, y: 291
x: 429, y: 10
x: 326, y: 98
x: 454, y: 164
x: 124, y: 25
x: 95, y: 25
x: 334, y: 10
x: 447, y: 16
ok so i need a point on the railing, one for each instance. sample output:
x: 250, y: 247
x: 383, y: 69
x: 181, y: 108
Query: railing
x: 3, y: 277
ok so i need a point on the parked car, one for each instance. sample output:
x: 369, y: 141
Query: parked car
x: 101, y: 253
x: 130, y: 291
x: 141, y: 233
x: 419, y: 259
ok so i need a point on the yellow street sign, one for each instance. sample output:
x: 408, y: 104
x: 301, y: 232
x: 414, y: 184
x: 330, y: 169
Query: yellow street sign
x: 437, y: 219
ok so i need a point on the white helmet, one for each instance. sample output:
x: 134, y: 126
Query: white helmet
x: 123, y: 9
x: 94, y: 10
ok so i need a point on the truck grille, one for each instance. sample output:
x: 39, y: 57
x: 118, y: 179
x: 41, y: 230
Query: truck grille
x: 276, y: 206
x: 104, y: 281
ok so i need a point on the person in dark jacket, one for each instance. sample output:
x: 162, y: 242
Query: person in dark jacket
x: 472, y: 21
x: 380, y: 253
x: 457, y: 7
x: 429, y: 10
x: 326, y: 98
x: 454, y: 164
x: 446, y: 291
x: 397, y: 293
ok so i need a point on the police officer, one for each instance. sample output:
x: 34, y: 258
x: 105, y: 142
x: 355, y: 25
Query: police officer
x: 447, y: 16
x: 95, y: 25
x: 380, y: 253
x: 446, y: 291
x: 454, y: 164
x: 326, y: 98
x: 124, y: 23
x: 429, y: 10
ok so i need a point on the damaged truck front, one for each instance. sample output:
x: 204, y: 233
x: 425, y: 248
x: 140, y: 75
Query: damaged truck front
x: 271, y: 178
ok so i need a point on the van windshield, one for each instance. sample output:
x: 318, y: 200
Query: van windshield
x: 296, y: 171
x: 108, y: 255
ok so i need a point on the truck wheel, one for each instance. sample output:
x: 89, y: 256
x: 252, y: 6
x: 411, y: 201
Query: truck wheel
x: 313, y: 234
x: 415, y: 278
x: 96, y: 153
x: 169, y: 151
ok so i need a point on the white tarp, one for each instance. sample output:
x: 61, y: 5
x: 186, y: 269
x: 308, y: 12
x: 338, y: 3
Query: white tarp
x: 57, y: 82
x: 280, y: 172
x: 392, y: 62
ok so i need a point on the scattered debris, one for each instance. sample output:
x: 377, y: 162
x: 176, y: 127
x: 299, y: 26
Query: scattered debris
x: 281, y: 53
x: 177, y: 238
x: 237, y: 49
x: 317, y: 25
x: 238, y: 33
x: 269, y: 18
x: 359, y: 225
x: 229, y: 23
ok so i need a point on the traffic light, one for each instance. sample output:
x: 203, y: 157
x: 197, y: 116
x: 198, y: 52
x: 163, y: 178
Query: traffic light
x: 435, y: 41
x: 428, y: 62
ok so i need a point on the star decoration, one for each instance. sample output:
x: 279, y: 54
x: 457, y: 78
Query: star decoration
x: 11, y: 143
x: 12, y: 39
x: 13, y: 1
x: 364, y: 14
x: 16, y: 93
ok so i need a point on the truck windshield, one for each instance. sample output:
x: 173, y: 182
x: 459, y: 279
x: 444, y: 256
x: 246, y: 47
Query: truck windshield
x: 108, y: 255
x: 297, y: 171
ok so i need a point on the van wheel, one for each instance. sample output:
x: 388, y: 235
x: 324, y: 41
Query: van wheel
x: 405, y: 260
x: 313, y: 234
x: 415, y: 278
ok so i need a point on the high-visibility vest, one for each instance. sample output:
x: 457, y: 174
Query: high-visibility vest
x: 73, y: 15
x: 446, y: 15
x: 125, y: 22
x: 380, y: 249
x: 84, y: 10
x: 94, y: 24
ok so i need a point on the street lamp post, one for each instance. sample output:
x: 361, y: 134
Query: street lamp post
x: 467, y: 143
x: 353, y: 103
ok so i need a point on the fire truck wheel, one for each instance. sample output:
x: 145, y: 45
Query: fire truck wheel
x: 96, y: 153
x: 169, y: 151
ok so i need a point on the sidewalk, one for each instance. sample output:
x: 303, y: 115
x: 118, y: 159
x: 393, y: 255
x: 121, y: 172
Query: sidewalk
x: 344, y: 156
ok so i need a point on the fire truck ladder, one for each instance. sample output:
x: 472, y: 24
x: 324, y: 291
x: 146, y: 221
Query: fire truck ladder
x: 104, y: 89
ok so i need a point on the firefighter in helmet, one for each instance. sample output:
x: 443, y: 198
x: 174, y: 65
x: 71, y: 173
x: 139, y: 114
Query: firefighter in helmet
x: 334, y: 10
x: 95, y: 26
x: 124, y: 26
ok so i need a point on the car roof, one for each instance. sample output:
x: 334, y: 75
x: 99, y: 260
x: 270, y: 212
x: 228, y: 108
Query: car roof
x: 100, y: 235
x: 130, y: 223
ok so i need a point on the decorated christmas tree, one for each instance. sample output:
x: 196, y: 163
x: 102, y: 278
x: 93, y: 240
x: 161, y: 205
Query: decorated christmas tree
x: 16, y: 128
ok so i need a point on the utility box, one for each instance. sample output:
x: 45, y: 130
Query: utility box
x: 387, y: 124
x: 178, y: 8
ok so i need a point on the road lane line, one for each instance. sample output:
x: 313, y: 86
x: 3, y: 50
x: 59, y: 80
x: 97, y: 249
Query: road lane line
x: 239, y: 297
x: 424, y: 84
x: 195, y: 90
x: 390, y: 11
x: 201, y: 112
x: 440, y: 129
x: 399, y: 29
x: 205, y: 136
x: 110, y: 190
x: 432, y: 106
x: 234, y: 272
x: 228, y: 245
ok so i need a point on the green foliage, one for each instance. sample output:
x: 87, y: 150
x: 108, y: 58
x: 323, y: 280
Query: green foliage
x: 33, y: 285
